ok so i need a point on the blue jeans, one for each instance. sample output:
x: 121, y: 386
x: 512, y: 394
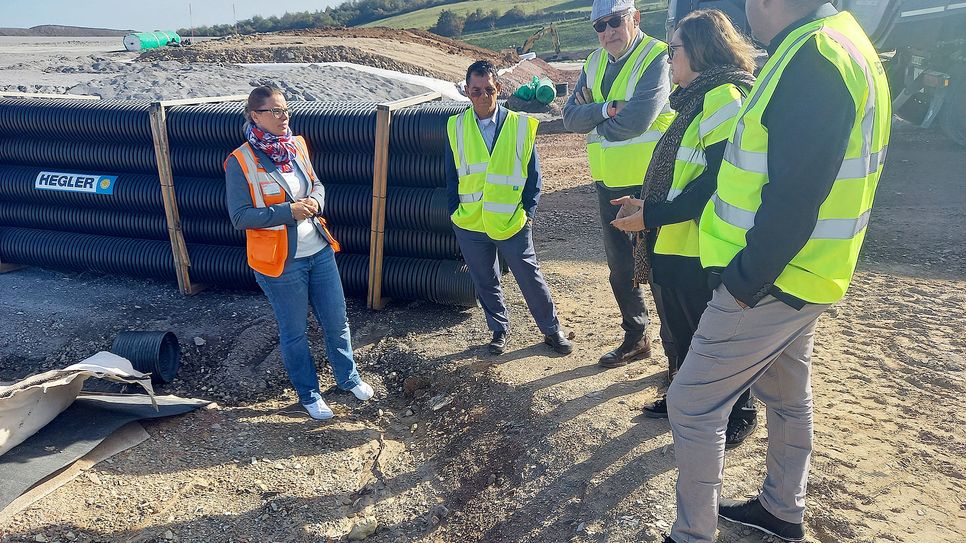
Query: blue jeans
x: 314, y: 279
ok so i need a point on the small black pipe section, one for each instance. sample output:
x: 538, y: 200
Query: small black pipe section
x: 157, y: 353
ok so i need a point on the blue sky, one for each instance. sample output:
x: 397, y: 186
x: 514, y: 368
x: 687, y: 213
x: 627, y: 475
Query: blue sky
x: 143, y: 14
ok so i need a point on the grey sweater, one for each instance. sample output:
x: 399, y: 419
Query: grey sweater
x: 650, y: 100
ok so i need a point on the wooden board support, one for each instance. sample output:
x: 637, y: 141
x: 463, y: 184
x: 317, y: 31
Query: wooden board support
x: 380, y: 171
x: 162, y: 152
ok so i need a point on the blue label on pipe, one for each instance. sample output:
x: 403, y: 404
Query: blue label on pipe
x: 76, y: 182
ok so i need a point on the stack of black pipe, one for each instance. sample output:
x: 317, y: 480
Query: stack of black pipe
x: 126, y: 232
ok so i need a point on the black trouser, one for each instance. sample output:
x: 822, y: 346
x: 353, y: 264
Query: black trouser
x: 681, y: 309
x: 620, y: 259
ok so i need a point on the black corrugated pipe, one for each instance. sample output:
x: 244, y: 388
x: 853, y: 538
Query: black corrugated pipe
x: 412, y: 243
x: 411, y: 170
x: 215, y: 230
x: 108, y: 121
x: 406, y: 208
x: 203, y: 197
x: 157, y: 353
x: 327, y: 126
x: 441, y: 281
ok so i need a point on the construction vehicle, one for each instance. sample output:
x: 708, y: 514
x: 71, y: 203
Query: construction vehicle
x: 922, y: 45
x: 554, y: 38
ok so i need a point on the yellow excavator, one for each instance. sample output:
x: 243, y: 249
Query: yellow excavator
x: 554, y: 38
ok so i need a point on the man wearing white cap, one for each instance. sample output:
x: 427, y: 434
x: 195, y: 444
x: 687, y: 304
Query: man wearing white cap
x: 620, y: 102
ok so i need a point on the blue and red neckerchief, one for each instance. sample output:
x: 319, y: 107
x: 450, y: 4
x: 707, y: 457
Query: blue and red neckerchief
x: 281, y: 149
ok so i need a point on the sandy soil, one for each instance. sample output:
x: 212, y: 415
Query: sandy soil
x: 524, y: 447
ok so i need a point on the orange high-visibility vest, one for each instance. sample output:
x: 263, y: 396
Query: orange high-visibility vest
x: 267, y: 248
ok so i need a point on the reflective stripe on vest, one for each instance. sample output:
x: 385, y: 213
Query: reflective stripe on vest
x: 824, y: 228
x: 251, y: 168
x: 822, y: 270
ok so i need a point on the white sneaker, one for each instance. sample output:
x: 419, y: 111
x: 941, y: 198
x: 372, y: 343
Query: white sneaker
x: 363, y: 391
x: 318, y: 410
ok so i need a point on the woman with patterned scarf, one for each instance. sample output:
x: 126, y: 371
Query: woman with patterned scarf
x: 274, y: 194
x: 711, y: 64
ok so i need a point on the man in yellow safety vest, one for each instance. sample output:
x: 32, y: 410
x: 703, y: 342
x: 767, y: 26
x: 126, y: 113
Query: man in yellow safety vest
x: 620, y: 102
x: 781, y: 237
x: 493, y: 188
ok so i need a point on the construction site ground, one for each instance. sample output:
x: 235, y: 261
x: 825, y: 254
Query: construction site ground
x: 462, y: 446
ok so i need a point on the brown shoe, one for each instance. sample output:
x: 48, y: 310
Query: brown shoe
x: 633, y: 348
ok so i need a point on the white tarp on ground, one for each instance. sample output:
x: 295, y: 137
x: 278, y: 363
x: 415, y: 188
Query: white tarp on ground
x: 28, y: 405
x: 448, y: 89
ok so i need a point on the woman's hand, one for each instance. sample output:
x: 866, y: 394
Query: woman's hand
x: 630, y: 217
x: 629, y: 206
x: 301, y: 210
x: 312, y: 203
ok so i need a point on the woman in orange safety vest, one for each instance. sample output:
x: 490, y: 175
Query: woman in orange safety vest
x: 274, y: 194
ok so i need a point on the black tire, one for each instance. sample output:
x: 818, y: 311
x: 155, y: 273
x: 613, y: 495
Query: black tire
x: 952, y: 118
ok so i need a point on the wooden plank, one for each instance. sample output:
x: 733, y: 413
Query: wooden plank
x: 379, y: 176
x: 374, y: 299
x: 205, y: 100
x: 42, y: 95
x: 162, y: 152
x: 410, y: 101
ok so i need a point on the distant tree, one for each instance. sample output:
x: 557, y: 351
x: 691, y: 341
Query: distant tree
x: 512, y: 16
x: 449, y: 24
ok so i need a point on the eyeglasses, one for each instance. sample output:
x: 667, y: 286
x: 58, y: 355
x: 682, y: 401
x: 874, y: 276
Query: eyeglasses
x: 489, y: 91
x: 277, y: 112
x: 613, y: 22
x: 670, y: 50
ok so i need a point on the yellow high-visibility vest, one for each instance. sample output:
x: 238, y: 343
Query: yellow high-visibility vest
x: 822, y: 270
x: 491, y: 184
x: 623, y: 163
x: 713, y: 125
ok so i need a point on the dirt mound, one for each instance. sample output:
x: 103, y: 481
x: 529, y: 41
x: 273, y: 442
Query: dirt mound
x: 408, y: 51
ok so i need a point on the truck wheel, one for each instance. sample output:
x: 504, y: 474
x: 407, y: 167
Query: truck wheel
x: 952, y: 118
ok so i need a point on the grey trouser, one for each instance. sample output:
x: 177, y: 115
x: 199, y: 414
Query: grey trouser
x: 620, y: 260
x: 480, y: 253
x: 767, y: 348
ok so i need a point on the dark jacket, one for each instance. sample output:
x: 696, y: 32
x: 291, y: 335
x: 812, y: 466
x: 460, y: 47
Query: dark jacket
x: 531, y: 189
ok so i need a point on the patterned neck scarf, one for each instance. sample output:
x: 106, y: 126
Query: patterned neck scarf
x: 281, y: 149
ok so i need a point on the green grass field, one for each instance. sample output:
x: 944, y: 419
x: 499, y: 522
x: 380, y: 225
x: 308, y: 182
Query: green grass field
x: 575, y: 35
x: 426, y: 18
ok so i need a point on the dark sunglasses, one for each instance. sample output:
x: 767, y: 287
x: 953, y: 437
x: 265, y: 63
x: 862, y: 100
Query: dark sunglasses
x: 613, y: 22
x: 670, y: 50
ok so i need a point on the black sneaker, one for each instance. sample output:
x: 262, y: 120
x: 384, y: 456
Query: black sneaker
x: 739, y: 430
x: 658, y: 409
x: 498, y: 343
x: 751, y: 513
